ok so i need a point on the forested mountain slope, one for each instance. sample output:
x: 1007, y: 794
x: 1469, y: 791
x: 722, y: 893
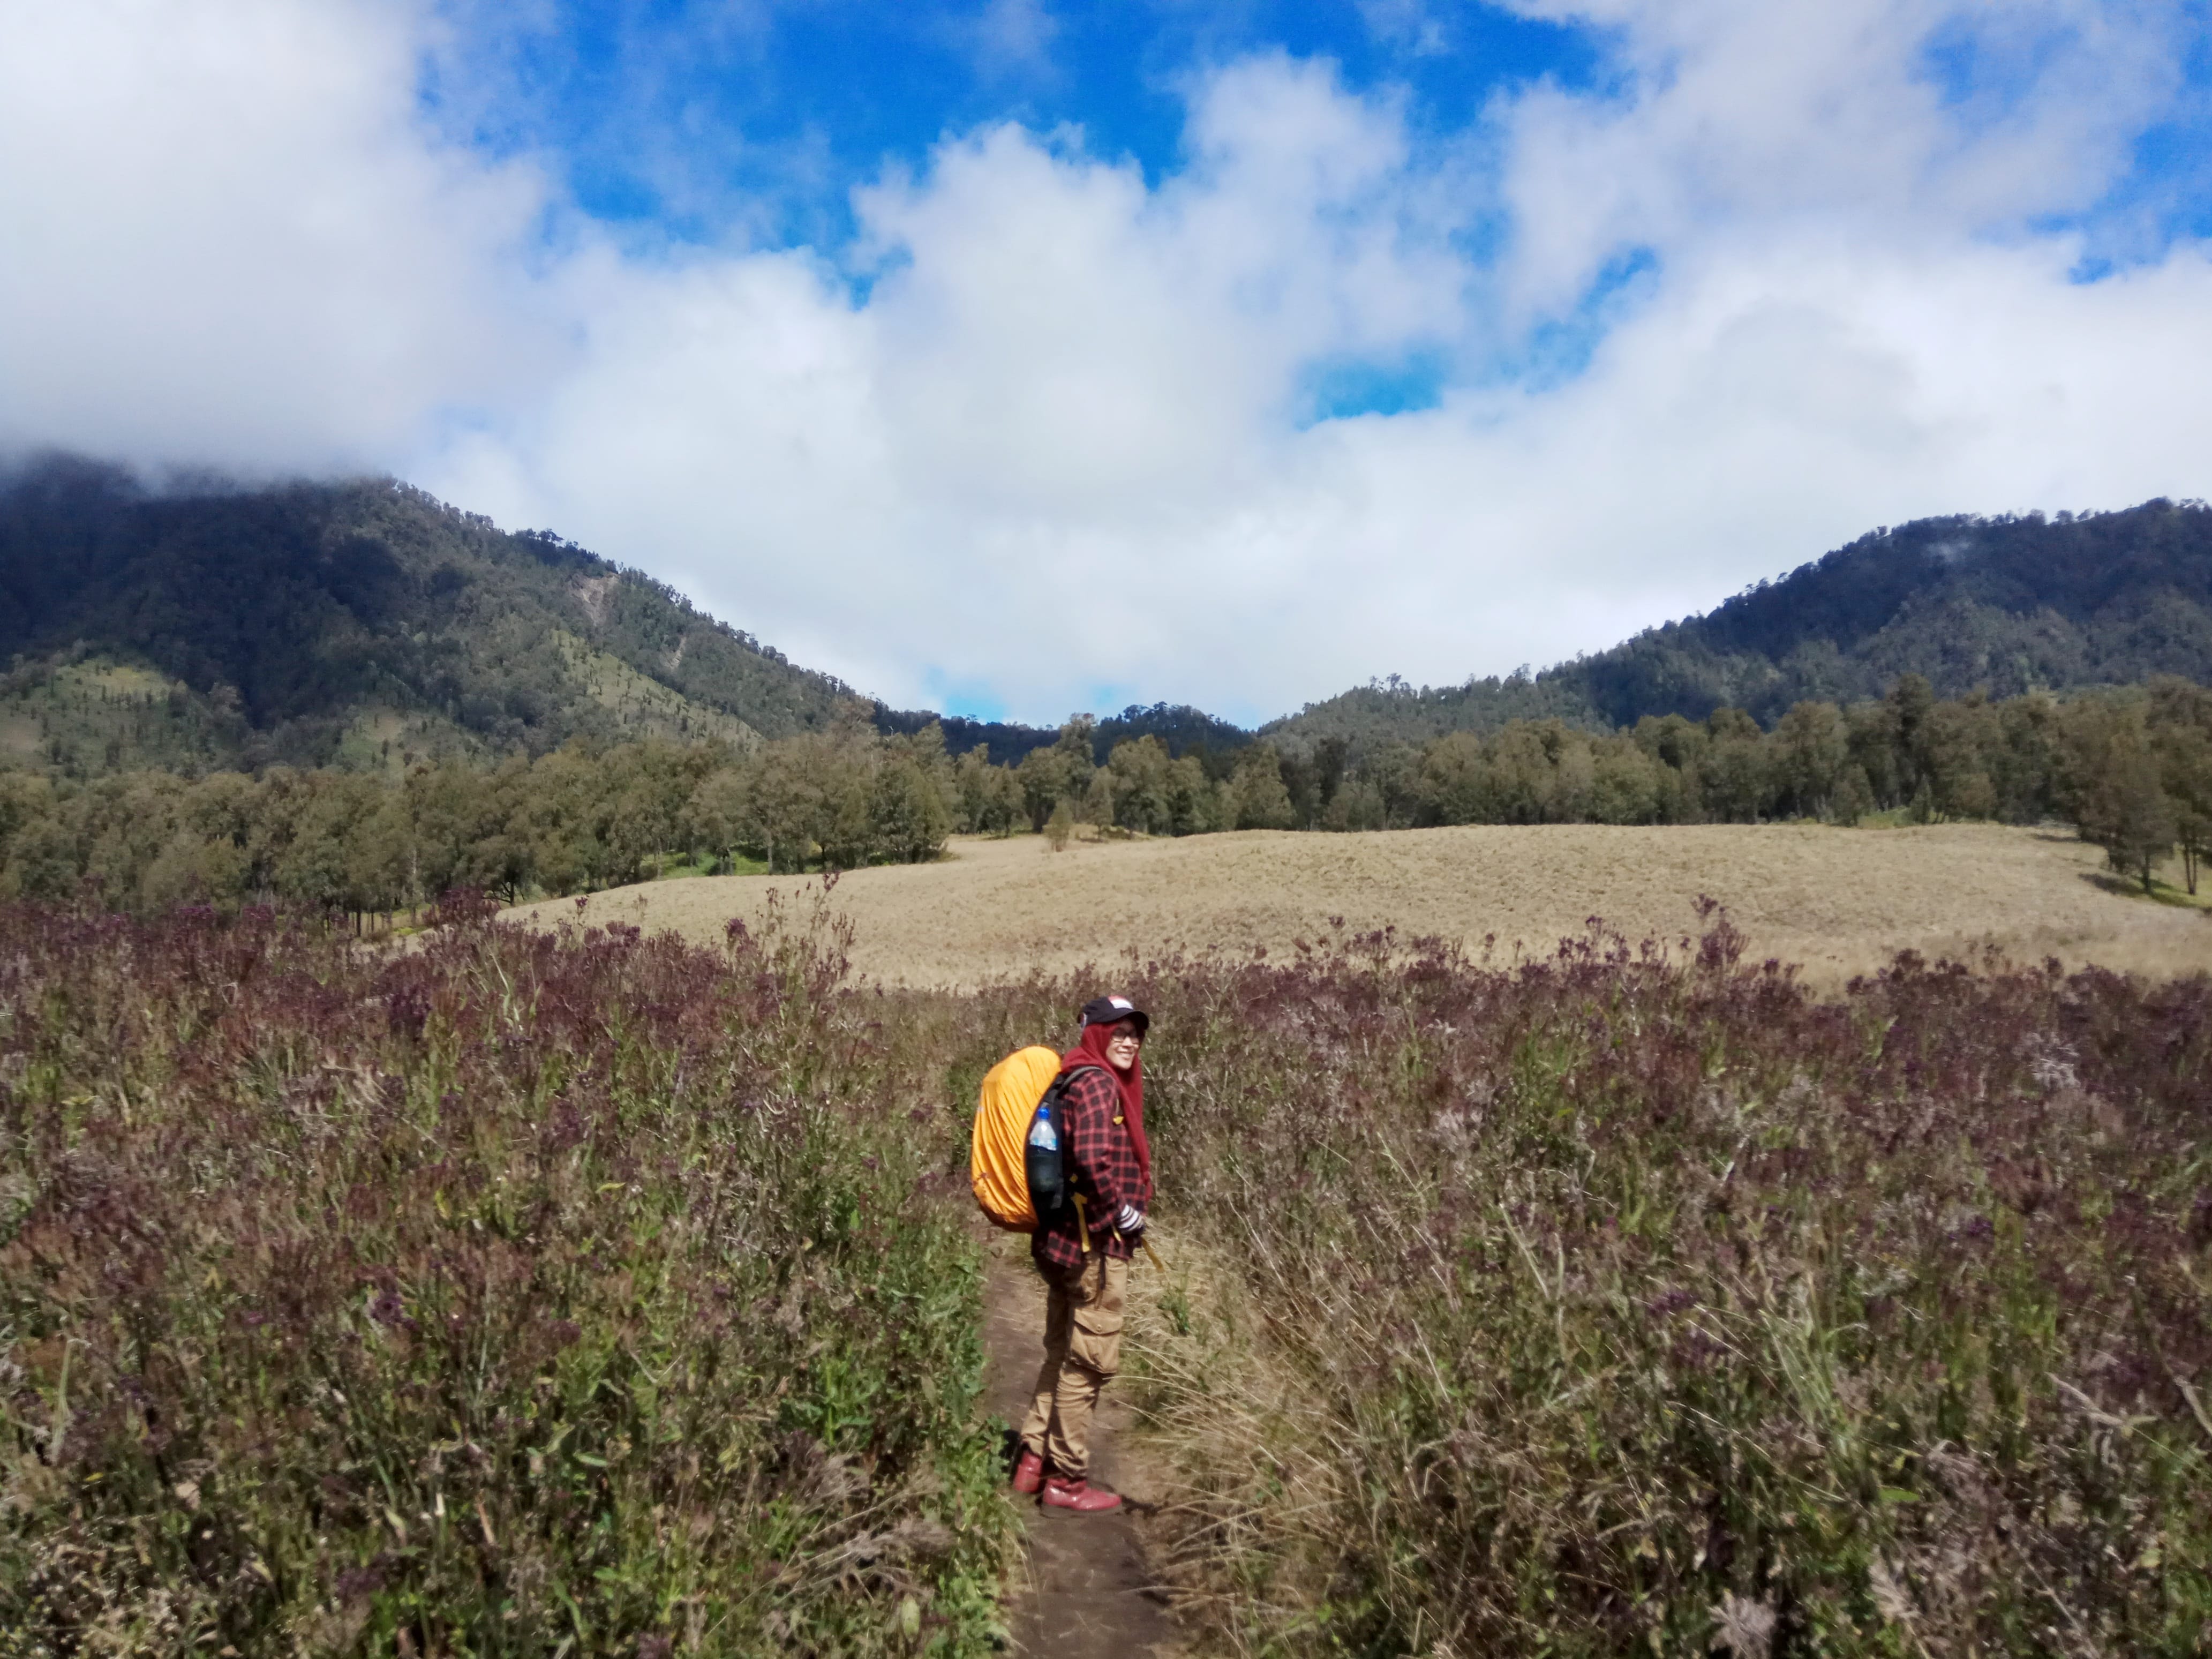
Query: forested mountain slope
x: 352, y: 622
x: 2008, y: 605
x: 366, y: 625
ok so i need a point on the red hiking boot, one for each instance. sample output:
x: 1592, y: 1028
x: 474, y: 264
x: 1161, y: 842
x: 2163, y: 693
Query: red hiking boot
x: 1029, y: 1472
x: 1078, y: 1495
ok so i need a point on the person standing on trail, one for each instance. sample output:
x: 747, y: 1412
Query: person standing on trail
x: 1084, y: 1253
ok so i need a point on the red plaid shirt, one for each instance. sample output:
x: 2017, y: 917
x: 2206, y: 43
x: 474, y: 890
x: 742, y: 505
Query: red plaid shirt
x: 1101, y: 1165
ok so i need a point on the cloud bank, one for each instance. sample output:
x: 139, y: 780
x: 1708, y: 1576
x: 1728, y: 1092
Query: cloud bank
x: 1045, y: 435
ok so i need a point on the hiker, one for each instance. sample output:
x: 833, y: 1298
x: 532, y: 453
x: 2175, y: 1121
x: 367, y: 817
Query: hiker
x: 1111, y: 1166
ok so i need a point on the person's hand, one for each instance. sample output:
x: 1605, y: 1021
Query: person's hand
x: 1130, y: 1223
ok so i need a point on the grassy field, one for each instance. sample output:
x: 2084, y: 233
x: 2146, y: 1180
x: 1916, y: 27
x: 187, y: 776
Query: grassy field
x: 589, y: 1292
x: 1839, y: 901
x: 599, y: 1290
x: 1623, y: 1303
x: 500, y: 1297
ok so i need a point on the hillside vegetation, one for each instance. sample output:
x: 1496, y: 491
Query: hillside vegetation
x: 597, y: 1293
x: 1635, y: 1302
x: 507, y: 1296
x: 2131, y: 769
x: 282, y: 620
x: 2005, y: 606
x: 364, y: 624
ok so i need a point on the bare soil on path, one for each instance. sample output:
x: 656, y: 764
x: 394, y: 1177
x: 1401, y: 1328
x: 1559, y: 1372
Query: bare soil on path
x: 1838, y: 902
x: 1088, y: 1593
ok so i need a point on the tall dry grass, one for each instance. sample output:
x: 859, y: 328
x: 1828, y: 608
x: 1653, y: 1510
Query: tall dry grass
x: 590, y: 1292
x: 515, y: 1294
x: 1625, y: 1301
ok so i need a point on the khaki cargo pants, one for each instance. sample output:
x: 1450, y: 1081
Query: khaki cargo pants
x: 1082, y: 1352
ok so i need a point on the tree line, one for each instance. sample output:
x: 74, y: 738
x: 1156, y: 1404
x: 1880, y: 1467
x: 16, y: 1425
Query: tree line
x: 2132, y: 768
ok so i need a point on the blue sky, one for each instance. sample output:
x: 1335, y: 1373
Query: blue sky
x: 1247, y: 351
x: 696, y: 121
x: 686, y: 118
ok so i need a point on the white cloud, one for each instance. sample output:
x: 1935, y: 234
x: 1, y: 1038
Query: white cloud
x: 1015, y: 37
x: 1739, y: 119
x: 1408, y: 25
x: 228, y: 241
x: 1044, y: 437
x: 1060, y: 384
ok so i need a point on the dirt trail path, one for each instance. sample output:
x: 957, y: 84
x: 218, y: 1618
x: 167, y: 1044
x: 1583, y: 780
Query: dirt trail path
x: 1089, y: 1595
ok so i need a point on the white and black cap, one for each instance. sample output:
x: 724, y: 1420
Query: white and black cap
x: 1111, y: 1011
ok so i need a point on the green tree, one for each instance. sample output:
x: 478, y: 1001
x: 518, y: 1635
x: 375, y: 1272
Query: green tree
x: 848, y: 832
x: 1331, y: 755
x: 1002, y: 809
x: 1257, y: 787
x: 316, y: 868
x: 1096, y: 806
x: 2180, y: 725
x: 123, y: 824
x: 381, y: 864
x: 786, y: 806
x: 1062, y: 772
x: 2184, y: 763
x: 1854, y: 796
x: 1906, y: 709
x: 42, y: 860
x: 1194, y: 799
x: 716, y: 817
x: 908, y: 817
x: 2119, y: 798
x: 1042, y: 775
x: 1624, y: 783
x: 557, y: 813
x: 1141, y: 772
x: 1870, y: 738
x: 980, y: 791
x: 459, y: 820
x: 1455, y: 783
x: 1523, y: 761
x: 1734, y: 776
x: 1811, y: 748
x: 2025, y: 763
x: 1956, y: 741
x: 1356, y: 804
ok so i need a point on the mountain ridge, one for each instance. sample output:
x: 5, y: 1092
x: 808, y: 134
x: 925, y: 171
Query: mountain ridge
x: 282, y: 618
x: 366, y: 623
x: 2006, y: 604
x: 325, y: 622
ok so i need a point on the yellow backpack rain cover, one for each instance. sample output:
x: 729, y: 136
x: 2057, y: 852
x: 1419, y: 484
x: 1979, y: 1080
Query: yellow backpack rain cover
x: 996, y: 1170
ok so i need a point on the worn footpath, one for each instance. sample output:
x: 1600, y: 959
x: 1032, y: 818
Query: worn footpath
x: 1089, y: 1593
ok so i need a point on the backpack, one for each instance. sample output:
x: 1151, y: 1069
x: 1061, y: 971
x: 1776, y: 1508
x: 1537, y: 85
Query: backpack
x: 1016, y: 1157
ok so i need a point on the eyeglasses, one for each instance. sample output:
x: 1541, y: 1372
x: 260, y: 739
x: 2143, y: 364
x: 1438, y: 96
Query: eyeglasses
x: 1123, y: 1036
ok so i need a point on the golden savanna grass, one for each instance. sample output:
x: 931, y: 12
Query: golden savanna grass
x: 1838, y: 901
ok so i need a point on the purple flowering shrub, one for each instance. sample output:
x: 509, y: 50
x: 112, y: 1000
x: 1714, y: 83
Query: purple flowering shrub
x: 508, y: 1292
x: 506, y: 1295
x: 1641, y: 1300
